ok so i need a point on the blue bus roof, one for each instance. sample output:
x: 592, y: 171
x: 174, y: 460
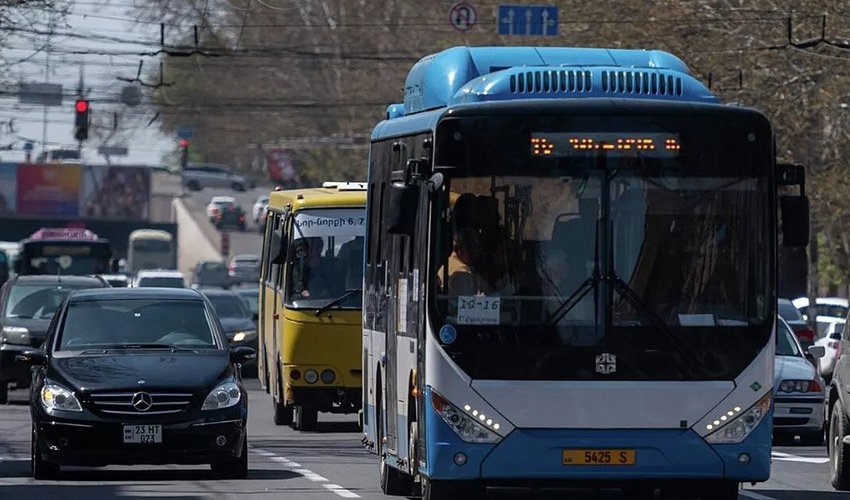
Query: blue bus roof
x: 462, y: 75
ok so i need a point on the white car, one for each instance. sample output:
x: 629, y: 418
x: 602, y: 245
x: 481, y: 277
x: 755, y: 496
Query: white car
x: 167, y: 278
x: 799, y: 391
x: 259, y: 208
x: 217, y: 204
x: 835, y: 307
x: 831, y: 341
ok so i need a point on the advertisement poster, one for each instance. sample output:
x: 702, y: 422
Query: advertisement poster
x: 8, y: 187
x: 48, y: 189
x: 115, y: 193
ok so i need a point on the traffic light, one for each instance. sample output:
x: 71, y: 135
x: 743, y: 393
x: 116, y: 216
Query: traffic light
x: 184, y: 152
x: 81, y: 119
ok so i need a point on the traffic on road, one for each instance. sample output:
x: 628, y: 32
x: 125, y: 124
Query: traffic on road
x: 538, y: 272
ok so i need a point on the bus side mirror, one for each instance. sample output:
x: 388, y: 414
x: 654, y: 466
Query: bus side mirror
x: 403, y: 202
x: 795, y: 220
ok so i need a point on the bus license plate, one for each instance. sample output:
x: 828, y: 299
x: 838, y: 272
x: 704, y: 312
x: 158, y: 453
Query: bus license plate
x: 599, y: 457
x: 143, y: 434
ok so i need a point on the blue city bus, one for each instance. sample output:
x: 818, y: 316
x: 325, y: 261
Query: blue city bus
x: 570, y: 277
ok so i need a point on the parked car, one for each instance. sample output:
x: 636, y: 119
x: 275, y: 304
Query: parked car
x: 831, y: 341
x: 27, y: 304
x: 244, y: 269
x: 259, y: 208
x: 200, y: 176
x: 799, y: 392
x: 210, y: 274
x: 835, y: 307
x: 162, y: 278
x: 798, y: 324
x: 238, y: 322
x: 135, y: 376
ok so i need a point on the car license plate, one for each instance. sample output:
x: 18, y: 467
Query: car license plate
x: 143, y: 434
x: 599, y: 457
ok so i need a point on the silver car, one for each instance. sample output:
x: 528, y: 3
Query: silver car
x: 798, y: 389
x: 197, y: 177
x: 831, y: 341
x: 259, y: 208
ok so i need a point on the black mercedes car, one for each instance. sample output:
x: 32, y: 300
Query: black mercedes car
x: 138, y: 376
x: 27, y: 304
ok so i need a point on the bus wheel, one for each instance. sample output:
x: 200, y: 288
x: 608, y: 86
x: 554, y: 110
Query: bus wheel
x: 393, y: 481
x: 305, y: 418
x: 450, y: 490
x: 282, y: 414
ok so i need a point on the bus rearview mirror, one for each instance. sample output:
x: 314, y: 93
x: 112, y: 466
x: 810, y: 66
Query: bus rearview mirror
x: 795, y: 220
x: 403, y: 201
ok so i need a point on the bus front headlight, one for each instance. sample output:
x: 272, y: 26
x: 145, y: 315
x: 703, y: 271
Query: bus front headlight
x: 731, y: 430
x: 465, y: 426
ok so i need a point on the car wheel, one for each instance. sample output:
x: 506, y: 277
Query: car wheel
x: 838, y: 451
x: 234, y: 468
x: 237, y: 186
x: 39, y: 468
x: 305, y: 419
x: 4, y: 393
x: 193, y: 186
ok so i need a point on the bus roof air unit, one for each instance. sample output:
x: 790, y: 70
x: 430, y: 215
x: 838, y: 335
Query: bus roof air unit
x: 479, y: 74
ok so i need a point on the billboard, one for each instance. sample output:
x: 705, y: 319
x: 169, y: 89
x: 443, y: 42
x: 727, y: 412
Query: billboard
x: 115, y: 193
x: 75, y: 191
x: 48, y: 189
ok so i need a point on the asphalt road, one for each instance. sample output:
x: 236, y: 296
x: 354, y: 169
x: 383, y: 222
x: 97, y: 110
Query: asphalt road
x: 326, y: 464
x: 250, y: 241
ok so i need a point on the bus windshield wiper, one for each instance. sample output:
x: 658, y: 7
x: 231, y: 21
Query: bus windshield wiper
x: 338, y: 300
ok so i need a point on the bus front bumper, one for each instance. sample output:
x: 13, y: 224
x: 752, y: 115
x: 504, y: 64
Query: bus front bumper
x: 661, y: 455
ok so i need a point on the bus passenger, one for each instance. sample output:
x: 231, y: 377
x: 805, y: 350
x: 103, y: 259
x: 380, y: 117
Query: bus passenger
x: 464, y: 277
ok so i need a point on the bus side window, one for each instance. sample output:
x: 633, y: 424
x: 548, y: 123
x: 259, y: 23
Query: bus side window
x: 267, y: 251
x: 283, y: 238
x: 276, y: 239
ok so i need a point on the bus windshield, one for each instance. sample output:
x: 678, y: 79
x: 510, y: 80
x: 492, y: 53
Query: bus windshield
x: 326, y: 258
x: 76, y: 258
x: 641, y: 240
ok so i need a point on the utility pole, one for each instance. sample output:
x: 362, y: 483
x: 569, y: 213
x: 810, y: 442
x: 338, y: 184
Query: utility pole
x: 44, y: 114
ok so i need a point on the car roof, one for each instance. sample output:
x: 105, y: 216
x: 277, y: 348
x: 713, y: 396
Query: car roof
x: 134, y: 293
x: 827, y: 301
x: 50, y: 279
x: 218, y: 292
x: 216, y: 199
x: 159, y: 273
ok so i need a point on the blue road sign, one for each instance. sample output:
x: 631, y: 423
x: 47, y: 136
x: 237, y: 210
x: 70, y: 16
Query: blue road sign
x: 528, y: 20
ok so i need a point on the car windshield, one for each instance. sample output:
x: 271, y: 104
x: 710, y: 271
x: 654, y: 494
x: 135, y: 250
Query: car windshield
x: 229, y: 306
x: 786, y: 345
x: 36, y: 301
x: 252, y: 301
x: 326, y: 258
x: 136, y: 322
x: 827, y: 327
x: 161, y: 281
x: 788, y: 312
x: 562, y: 246
x: 831, y: 310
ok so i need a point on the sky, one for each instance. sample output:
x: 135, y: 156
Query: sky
x: 106, y: 31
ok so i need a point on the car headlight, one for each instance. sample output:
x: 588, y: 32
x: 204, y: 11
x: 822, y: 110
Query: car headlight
x: 465, y: 426
x: 242, y: 336
x: 14, y: 335
x: 800, y: 386
x: 223, y: 396
x: 735, y: 429
x: 55, y: 397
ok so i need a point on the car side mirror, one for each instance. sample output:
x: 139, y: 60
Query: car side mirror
x: 817, y: 351
x: 835, y: 336
x: 403, y: 202
x: 33, y: 357
x: 242, y: 354
x: 795, y: 221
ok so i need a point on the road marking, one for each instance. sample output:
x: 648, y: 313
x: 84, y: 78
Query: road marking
x: 755, y: 496
x: 787, y: 457
x: 307, y: 473
x: 339, y: 490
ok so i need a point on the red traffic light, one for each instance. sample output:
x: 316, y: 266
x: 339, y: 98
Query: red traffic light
x: 184, y: 143
x: 82, y: 106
